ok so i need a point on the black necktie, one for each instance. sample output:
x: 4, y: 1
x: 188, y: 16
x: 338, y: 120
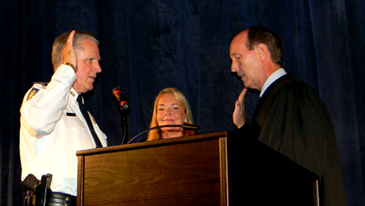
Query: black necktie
x: 87, y: 118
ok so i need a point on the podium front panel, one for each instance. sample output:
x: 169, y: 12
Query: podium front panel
x: 184, y: 171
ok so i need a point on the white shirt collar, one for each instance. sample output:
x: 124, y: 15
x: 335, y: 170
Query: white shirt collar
x: 73, y: 95
x: 272, y: 78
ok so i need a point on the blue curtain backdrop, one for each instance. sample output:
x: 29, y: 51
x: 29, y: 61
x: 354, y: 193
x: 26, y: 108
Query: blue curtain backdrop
x: 147, y: 45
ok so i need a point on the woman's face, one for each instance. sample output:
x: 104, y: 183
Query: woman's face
x: 170, y: 112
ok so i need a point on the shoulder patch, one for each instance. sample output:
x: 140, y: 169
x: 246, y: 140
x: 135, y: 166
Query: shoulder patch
x: 32, y: 93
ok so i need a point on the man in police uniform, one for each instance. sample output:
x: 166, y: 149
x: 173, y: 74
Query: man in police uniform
x: 53, y: 126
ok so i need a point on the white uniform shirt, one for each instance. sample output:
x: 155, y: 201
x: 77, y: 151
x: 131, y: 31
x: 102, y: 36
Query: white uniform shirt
x: 53, y: 129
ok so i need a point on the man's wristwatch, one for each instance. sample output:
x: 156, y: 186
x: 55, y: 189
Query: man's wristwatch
x: 70, y: 65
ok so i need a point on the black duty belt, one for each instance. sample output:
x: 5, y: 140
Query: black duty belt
x: 59, y: 198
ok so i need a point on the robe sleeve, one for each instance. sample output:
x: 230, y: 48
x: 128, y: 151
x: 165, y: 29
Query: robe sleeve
x: 295, y: 122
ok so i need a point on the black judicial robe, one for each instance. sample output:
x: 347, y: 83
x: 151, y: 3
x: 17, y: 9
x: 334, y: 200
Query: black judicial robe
x: 292, y: 119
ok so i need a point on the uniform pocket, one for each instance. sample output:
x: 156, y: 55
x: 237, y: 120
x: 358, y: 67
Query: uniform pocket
x: 77, y: 132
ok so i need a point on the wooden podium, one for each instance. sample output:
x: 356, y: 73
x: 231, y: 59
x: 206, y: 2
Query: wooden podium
x: 192, y: 170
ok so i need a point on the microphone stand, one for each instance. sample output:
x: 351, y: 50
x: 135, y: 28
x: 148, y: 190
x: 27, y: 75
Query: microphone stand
x: 184, y: 126
x: 125, y: 129
x: 124, y: 112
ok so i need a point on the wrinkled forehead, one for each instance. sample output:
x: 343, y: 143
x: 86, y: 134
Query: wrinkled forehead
x: 239, y: 41
x: 89, y: 48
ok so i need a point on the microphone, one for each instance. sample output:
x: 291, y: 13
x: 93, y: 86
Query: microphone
x: 184, y: 126
x: 122, y: 100
x: 124, y: 109
x: 187, y: 126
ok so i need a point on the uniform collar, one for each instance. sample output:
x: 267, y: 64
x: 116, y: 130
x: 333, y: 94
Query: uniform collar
x: 73, y: 96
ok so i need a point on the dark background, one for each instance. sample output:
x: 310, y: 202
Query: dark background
x: 147, y: 45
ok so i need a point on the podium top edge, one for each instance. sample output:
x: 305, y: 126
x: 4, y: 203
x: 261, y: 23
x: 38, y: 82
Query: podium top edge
x: 198, y: 137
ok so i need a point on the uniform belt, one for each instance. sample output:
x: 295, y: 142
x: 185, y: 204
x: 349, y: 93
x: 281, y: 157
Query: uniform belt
x: 61, y: 199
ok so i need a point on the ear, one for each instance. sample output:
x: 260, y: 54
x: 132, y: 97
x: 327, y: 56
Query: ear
x: 263, y: 51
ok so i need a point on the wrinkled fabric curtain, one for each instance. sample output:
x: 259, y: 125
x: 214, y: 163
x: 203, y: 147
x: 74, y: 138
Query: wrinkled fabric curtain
x: 148, y: 45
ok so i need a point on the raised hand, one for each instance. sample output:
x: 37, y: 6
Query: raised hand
x: 68, y: 51
x: 239, y: 113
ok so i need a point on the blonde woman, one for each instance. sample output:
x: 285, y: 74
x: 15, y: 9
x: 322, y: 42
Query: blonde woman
x: 170, y: 108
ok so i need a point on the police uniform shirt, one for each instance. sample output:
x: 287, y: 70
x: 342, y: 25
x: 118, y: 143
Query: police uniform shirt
x: 53, y: 129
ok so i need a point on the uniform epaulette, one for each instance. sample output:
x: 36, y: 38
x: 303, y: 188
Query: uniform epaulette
x: 41, y: 83
x: 72, y: 93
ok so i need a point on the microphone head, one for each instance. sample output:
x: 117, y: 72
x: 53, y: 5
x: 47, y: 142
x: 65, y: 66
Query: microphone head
x: 122, y: 100
x: 116, y: 90
x: 118, y: 93
x: 187, y: 126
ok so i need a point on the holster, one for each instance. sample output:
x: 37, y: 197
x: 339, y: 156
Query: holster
x: 36, y: 190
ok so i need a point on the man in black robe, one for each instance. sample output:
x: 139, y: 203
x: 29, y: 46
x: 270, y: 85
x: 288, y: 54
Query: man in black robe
x: 289, y: 117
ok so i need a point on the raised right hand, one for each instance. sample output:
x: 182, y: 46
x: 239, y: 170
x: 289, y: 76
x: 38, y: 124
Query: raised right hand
x: 239, y: 113
x: 68, y: 51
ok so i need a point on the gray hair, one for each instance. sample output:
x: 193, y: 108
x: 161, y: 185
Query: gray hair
x: 61, y: 41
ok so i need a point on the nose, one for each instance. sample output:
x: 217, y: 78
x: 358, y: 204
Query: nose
x: 167, y: 111
x: 234, y: 67
x: 97, y: 67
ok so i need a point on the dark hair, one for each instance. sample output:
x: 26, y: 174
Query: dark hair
x: 257, y: 35
x: 61, y: 41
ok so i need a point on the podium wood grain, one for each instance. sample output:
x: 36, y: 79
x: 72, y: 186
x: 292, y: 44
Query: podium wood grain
x: 182, y: 171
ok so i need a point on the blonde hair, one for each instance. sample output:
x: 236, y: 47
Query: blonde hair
x: 156, y: 134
